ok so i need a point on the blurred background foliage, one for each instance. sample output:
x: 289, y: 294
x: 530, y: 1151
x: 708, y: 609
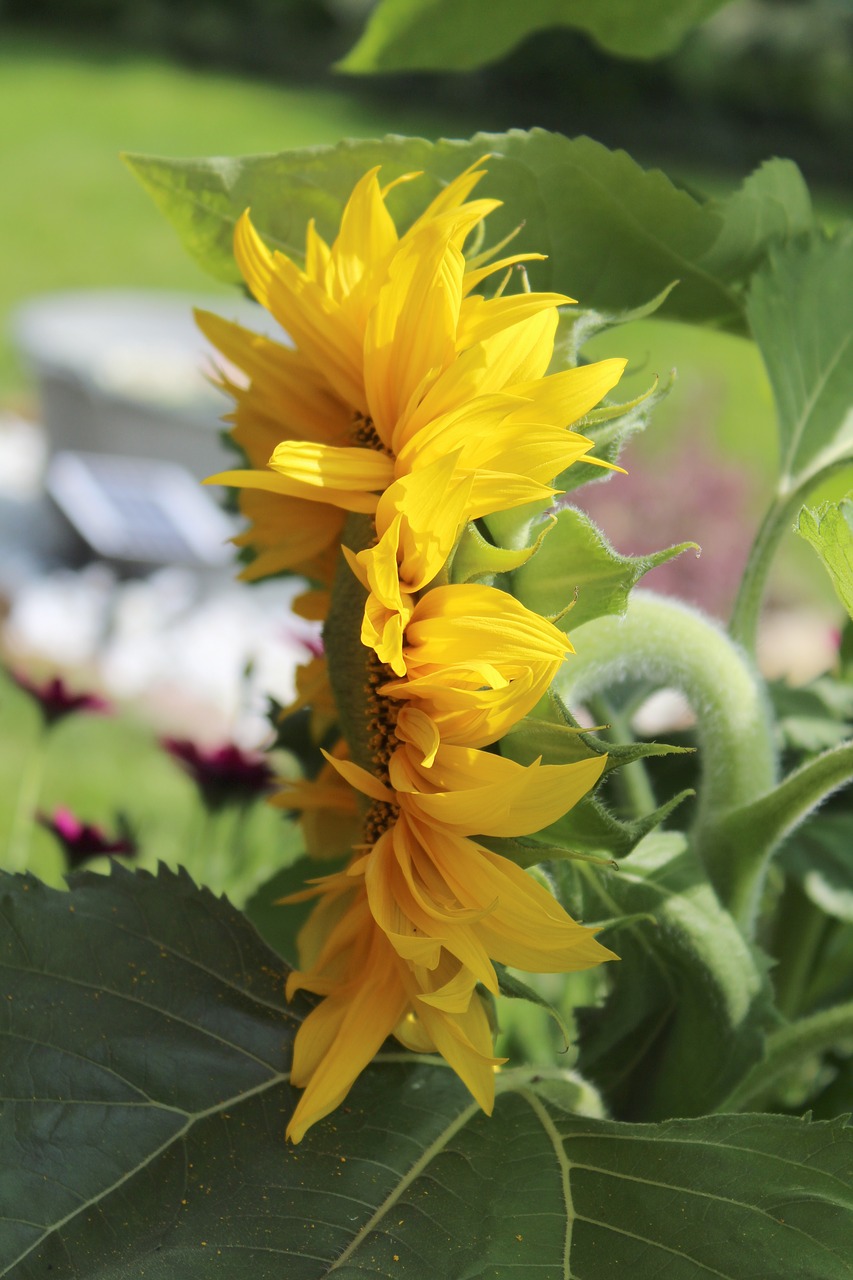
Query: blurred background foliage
x: 761, y: 76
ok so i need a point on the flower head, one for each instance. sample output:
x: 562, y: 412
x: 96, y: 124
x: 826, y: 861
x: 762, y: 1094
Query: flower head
x: 438, y: 409
x: 83, y: 840
x: 55, y: 700
x: 409, y: 405
x: 223, y: 775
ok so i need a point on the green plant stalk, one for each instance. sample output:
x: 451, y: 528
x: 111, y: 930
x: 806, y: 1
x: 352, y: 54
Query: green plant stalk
x: 786, y: 1049
x: 778, y: 519
x: 29, y: 790
x: 633, y: 778
x: 800, y: 929
x: 739, y: 843
x: 675, y: 646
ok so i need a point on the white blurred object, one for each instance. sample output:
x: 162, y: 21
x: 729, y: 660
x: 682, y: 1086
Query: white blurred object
x: 139, y: 509
x: 23, y: 452
x: 123, y: 371
x: 63, y: 617
x: 176, y: 643
x: 796, y: 644
x: 663, y: 710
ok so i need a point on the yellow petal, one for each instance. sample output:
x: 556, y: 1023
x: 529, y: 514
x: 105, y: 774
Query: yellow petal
x: 411, y: 332
x: 478, y: 793
x: 480, y: 318
x: 305, y: 311
x: 420, y: 731
x: 275, y: 482
x: 361, y: 779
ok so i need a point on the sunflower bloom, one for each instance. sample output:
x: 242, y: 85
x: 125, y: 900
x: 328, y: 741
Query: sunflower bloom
x: 450, y: 414
x: 409, y: 405
x: 414, y: 924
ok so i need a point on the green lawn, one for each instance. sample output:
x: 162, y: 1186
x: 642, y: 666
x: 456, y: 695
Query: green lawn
x: 73, y: 217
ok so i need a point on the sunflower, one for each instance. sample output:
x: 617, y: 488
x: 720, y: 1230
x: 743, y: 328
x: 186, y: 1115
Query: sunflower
x: 443, y: 409
x: 408, y: 406
x: 411, y: 927
x: 400, y: 942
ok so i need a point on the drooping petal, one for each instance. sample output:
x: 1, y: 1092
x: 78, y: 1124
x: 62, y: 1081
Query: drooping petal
x: 411, y: 333
x: 288, y: 486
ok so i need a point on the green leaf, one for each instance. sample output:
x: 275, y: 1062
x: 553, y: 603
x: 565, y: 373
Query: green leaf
x: 772, y: 205
x: 788, y: 1049
x: 616, y: 235
x: 743, y: 839
x: 419, y: 35
x: 146, y: 1088
x: 576, y: 557
x: 683, y: 1022
x: 799, y: 311
x: 829, y: 529
x: 279, y: 923
x: 820, y: 857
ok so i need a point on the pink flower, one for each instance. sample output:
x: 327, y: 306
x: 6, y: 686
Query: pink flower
x: 55, y: 700
x: 81, y: 840
x: 223, y: 775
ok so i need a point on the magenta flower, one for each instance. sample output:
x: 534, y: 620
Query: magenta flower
x: 55, y: 700
x: 223, y: 775
x: 81, y: 840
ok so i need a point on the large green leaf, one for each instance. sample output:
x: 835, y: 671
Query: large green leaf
x: 417, y: 35
x: 576, y: 563
x: 800, y: 314
x: 772, y: 205
x: 146, y: 1094
x: 616, y: 235
x: 829, y: 529
x: 688, y: 1003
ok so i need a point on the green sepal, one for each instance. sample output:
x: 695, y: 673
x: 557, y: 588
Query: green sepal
x: 476, y: 559
x: 579, y: 324
x: 578, y: 557
x: 610, y: 428
x: 829, y: 529
x: 553, y: 733
x: 587, y: 833
x: 514, y: 989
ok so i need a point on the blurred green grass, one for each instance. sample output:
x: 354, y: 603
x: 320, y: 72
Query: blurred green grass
x: 72, y: 217
x: 98, y: 766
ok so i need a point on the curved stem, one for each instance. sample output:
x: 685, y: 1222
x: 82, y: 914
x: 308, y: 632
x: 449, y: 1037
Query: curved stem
x: 677, y: 647
x: 744, y: 621
x: 778, y: 518
x: 740, y: 842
